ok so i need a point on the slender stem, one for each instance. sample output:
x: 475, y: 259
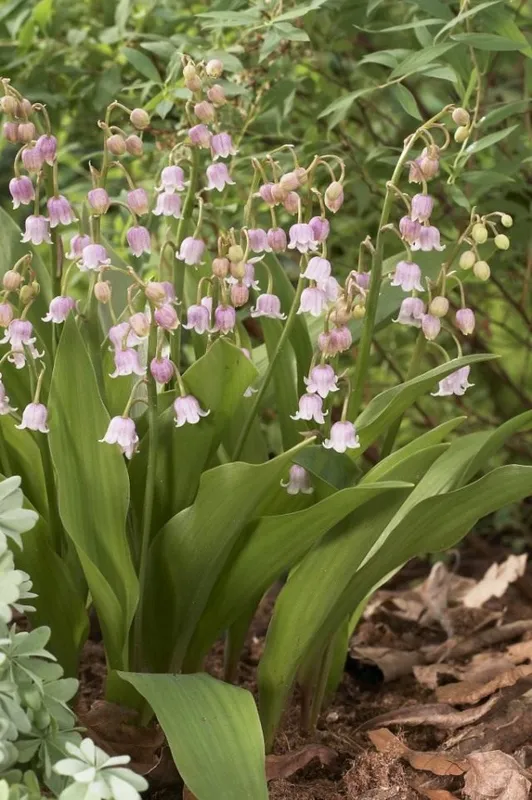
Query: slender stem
x: 413, y: 370
x: 179, y: 276
x: 269, y: 372
x: 321, y: 683
x: 149, y: 494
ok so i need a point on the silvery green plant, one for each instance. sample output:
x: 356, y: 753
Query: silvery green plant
x: 37, y: 727
x: 187, y: 390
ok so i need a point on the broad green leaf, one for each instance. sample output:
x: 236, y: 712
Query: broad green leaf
x: 405, y: 26
x: 284, y: 380
x: 406, y: 99
x: 270, y: 43
x: 503, y: 112
x: 309, y: 595
x: 142, y: 63
x: 338, y: 586
x: 336, y: 469
x: 300, y: 11
x: 421, y: 59
x: 437, y: 8
x: 390, y: 404
x: 24, y: 459
x: 230, y: 19
x: 428, y: 439
x: 213, y: 731
x: 487, y: 41
x: 495, y: 441
x: 341, y: 106
x: 93, y: 490
x: 273, y: 545
x: 200, y: 539
x: 218, y: 380
x: 489, y: 140
x: 503, y: 23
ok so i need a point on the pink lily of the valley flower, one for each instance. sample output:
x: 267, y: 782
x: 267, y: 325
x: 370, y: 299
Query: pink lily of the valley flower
x: 298, y: 481
x: 456, y: 383
x: 122, y: 431
x: 188, y: 409
x: 343, y: 436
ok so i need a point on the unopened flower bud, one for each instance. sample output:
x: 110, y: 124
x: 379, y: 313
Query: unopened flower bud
x: 220, y: 267
x: 26, y: 294
x: 278, y: 193
x: 506, y: 221
x: 439, y: 306
x: 291, y: 202
x: 9, y: 104
x: 116, y: 144
x: 238, y: 270
x: 11, y: 280
x: 134, y: 145
x: 214, y: 68
x: 216, y: 95
x: 465, y: 320
x: 239, y: 294
x: 36, y: 288
x: 467, y: 259
x: 10, y: 131
x: 139, y: 118
x: 479, y: 233
x: 25, y: 108
x: 204, y: 111
x: 155, y: 292
x: 301, y: 174
x: 290, y: 181
x: 235, y: 253
x: 341, y: 313
x: 334, y: 196
x: 26, y: 132
x: 502, y: 241
x: 460, y: 116
x: 189, y: 71
x: 140, y: 324
x: 193, y: 84
x: 482, y: 270
x: 461, y: 134
x: 102, y: 291
x: 6, y: 316
x: 359, y: 311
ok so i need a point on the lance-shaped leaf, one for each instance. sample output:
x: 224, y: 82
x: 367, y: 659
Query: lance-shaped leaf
x: 303, y: 617
x: 93, y: 490
x: 191, y: 550
x: 213, y: 731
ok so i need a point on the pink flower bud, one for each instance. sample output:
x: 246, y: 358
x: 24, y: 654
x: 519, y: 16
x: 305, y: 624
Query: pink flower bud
x: 327, y: 344
x: 140, y: 324
x: 198, y: 318
x: 222, y: 146
x: 268, y: 305
x: 343, y: 436
x: 224, y: 319
x: 34, y: 418
x: 409, y: 229
x: 258, y: 240
x: 48, y: 148
x: 155, y: 292
x: 214, y: 68
x: 116, y: 144
x: 122, y: 431
x: 172, y: 180
x: 430, y: 326
x: 320, y: 228
x: 98, y: 200
x: 102, y: 291
x: 6, y: 314
x: 216, y: 95
x: 422, y: 205
x: 298, y: 481
x: 60, y: 211
x: 77, y: 244
x: 204, y: 111
x: 138, y: 238
x: 21, y: 190
x: 310, y: 408
x: 302, y: 238
x: 162, y: 370
x: 429, y: 162
x: 277, y: 240
x: 265, y: 192
x: 291, y: 202
x: 220, y: 267
x: 278, y: 193
x: 9, y: 105
x: 37, y: 230
x: 334, y: 196
x: 93, y: 257
x: 239, y: 294
x: 166, y: 317
x: 218, y: 177
x: 139, y: 118
x: 25, y: 108
x: 188, y: 409
x: 32, y: 159
x: 322, y: 380
x: 134, y: 145
x: 26, y: 132
x: 191, y: 250
x: 465, y: 320
x: 10, y: 131
x: 169, y: 205
x: 200, y: 136
x: 60, y: 308
x: 342, y: 338
x: 318, y: 269
x: 290, y: 181
x: 138, y: 201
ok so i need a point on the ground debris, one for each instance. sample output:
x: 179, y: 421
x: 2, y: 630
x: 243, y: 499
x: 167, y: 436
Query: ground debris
x: 495, y: 776
x: 440, y: 715
x: 283, y: 766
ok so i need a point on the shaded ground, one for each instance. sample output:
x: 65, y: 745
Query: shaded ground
x: 375, y: 768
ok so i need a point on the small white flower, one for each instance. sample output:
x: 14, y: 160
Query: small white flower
x: 96, y: 776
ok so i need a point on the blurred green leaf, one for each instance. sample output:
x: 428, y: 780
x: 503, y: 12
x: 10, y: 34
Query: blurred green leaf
x: 421, y: 59
x: 487, y: 41
x: 407, y: 100
x: 141, y: 63
x: 489, y: 140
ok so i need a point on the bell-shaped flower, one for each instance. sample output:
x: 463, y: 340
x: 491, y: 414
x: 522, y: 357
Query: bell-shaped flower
x: 322, y: 380
x: 188, y: 409
x: 35, y: 418
x: 343, y: 436
x: 455, y: 383
x: 310, y: 407
x: 122, y: 431
x: 298, y: 481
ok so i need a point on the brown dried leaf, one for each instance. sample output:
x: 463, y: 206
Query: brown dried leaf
x: 392, y: 663
x: 440, y: 715
x: 496, y: 581
x: 435, y: 794
x: 495, y: 775
x: 473, y: 644
x: 278, y: 767
x: 429, y: 674
x: 435, y: 594
x: 386, y: 742
x: 519, y: 652
x: 470, y: 692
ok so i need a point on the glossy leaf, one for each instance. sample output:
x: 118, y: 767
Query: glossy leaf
x: 93, y: 490
x: 213, y: 731
x: 421, y: 59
